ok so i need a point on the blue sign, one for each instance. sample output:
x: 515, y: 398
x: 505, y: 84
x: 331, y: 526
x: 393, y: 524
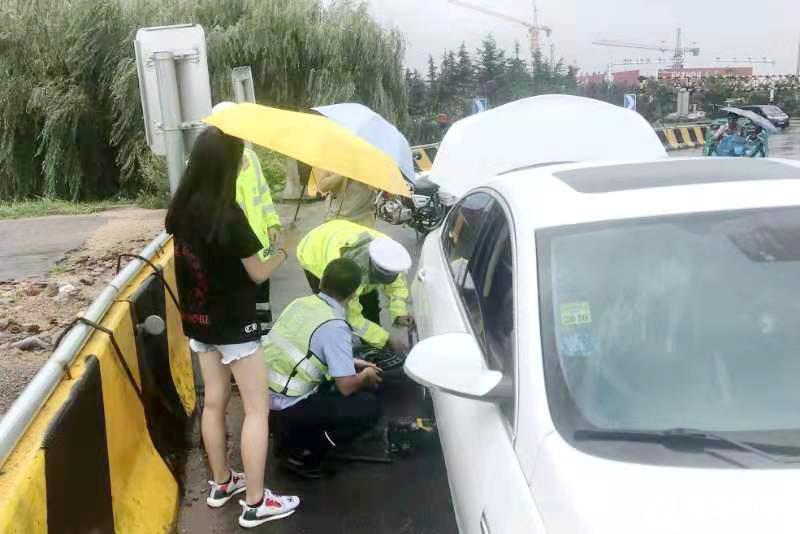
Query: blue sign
x: 479, y: 105
x: 629, y: 101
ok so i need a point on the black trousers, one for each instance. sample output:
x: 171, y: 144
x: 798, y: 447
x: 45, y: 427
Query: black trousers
x: 304, y: 426
x: 264, y: 309
x: 370, y: 302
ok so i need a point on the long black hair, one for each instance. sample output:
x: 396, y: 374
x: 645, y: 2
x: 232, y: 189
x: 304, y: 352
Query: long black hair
x: 208, y: 187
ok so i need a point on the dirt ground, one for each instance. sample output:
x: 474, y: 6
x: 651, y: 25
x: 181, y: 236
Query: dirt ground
x: 35, y: 311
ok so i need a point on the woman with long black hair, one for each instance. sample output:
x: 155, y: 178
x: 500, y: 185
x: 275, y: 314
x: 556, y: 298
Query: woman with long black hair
x: 218, y: 271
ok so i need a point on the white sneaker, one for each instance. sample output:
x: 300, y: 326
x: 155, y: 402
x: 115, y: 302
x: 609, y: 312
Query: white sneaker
x: 272, y: 507
x: 222, y: 493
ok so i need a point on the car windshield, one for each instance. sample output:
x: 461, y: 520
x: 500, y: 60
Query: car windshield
x: 690, y: 321
x: 773, y: 110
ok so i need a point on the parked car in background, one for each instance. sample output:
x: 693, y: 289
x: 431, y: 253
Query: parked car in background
x: 613, y: 348
x: 769, y: 111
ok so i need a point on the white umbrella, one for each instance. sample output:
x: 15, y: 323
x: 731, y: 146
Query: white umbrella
x: 375, y: 130
x: 537, y: 131
x: 754, y: 118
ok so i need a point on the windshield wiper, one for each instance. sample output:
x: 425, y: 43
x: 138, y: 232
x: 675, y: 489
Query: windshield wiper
x: 683, y: 435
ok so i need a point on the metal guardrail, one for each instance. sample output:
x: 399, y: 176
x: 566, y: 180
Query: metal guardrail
x: 431, y: 145
x: 25, y: 408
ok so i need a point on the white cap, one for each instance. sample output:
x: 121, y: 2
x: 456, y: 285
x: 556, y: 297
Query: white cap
x: 389, y: 255
x: 222, y: 106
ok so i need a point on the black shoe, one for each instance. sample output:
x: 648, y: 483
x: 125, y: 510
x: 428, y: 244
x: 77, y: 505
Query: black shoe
x: 300, y: 465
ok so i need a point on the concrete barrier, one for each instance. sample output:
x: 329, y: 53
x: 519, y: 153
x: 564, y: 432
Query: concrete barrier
x: 423, y: 156
x: 682, y: 137
x: 103, y: 453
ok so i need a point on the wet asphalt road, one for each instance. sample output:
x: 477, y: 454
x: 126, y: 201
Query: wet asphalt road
x: 410, y: 496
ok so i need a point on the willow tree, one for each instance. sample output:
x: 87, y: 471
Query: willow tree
x: 70, y: 118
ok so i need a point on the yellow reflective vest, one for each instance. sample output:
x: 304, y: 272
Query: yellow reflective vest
x: 324, y: 244
x: 293, y: 369
x: 253, y: 196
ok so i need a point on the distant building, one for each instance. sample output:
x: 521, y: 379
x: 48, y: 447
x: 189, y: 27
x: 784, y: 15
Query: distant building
x: 703, y: 72
x: 628, y: 77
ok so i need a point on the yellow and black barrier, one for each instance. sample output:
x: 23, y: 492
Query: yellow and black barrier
x: 682, y: 137
x: 103, y: 454
x: 423, y: 156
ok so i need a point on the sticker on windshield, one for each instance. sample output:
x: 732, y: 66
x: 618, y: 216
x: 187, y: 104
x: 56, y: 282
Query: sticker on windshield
x: 575, y: 313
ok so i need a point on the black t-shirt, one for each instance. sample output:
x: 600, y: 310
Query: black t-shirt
x: 218, y: 297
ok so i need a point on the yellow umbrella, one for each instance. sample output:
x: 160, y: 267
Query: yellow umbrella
x: 313, y: 139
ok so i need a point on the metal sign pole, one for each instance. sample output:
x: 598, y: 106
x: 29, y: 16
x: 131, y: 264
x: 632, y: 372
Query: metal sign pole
x: 170, y: 116
x: 242, y: 80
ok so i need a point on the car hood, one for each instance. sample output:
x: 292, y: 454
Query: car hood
x: 577, y: 493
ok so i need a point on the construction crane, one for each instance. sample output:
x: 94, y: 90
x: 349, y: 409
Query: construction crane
x: 679, y: 52
x: 534, y: 29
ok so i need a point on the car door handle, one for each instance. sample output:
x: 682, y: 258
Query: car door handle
x: 485, y: 524
x: 421, y: 275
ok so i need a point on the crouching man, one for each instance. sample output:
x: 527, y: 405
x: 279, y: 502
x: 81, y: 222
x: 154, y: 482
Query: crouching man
x: 321, y: 396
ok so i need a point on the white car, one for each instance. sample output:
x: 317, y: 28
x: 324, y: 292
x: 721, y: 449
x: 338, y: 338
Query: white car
x: 615, y: 348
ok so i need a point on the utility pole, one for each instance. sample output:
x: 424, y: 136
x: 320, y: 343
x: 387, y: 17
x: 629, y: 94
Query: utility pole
x: 798, y: 59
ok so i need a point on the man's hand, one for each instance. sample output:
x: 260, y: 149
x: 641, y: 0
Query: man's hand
x: 371, y: 377
x: 404, y: 320
x: 288, y: 240
x: 274, y: 233
x: 363, y: 364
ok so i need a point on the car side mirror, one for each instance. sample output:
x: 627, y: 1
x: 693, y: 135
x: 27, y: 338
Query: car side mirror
x: 454, y: 363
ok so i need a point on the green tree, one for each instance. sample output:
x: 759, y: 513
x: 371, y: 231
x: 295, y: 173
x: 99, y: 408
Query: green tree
x: 418, y: 98
x: 465, y: 74
x: 491, y: 66
x: 433, y: 83
x: 517, y: 83
x: 69, y: 97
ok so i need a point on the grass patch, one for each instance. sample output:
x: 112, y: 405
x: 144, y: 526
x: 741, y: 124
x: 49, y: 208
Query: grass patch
x: 153, y: 201
x: 45, y: 206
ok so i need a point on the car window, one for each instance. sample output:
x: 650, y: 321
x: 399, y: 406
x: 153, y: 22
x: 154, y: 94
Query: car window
x: 487, y: 291
x: 461, y: 232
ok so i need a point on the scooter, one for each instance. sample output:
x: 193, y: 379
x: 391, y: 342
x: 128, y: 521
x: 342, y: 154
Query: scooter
x: 424, y: 211
x: 746, y: 144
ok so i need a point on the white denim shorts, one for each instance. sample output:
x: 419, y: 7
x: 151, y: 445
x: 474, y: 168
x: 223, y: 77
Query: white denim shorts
x: 230, y: 353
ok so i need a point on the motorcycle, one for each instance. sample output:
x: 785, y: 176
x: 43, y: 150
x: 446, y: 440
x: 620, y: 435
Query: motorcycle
x: 746, y: 144
x: 424, y: 211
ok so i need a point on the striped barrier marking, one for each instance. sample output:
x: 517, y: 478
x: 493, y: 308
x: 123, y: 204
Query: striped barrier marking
x: 671, y: 139
x: 24, y: 501
x: 700, y: 134
x: 422, y: 161
x: 663, y: 138
x: 687, y: 139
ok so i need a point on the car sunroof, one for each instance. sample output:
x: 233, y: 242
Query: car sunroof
x: 673, y: 173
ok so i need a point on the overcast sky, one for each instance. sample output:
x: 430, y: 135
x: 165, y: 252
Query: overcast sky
x: 721, y: 28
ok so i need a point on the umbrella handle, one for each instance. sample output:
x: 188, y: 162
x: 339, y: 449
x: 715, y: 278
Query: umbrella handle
x: 304, y: 185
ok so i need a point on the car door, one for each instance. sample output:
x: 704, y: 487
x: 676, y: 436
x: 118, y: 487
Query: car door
x: 489, y: 490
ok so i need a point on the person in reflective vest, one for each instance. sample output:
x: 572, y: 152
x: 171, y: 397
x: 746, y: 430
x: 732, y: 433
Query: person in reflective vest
x: 320, y: 394
x: 253, y: 196
x: 383, y: 263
